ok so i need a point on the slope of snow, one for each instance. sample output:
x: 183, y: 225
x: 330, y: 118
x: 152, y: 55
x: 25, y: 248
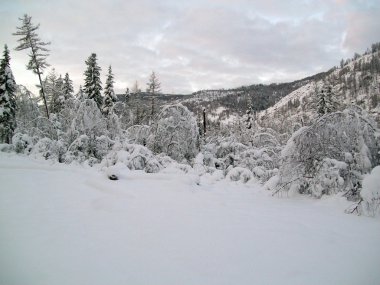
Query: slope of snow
x: 64, y: 224
x: 297, y: 94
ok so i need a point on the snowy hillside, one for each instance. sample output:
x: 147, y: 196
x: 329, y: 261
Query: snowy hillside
x: 356, y: 82
x: 65, y: 224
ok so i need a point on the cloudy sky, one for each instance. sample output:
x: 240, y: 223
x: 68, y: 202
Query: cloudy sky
x: 194, y: 44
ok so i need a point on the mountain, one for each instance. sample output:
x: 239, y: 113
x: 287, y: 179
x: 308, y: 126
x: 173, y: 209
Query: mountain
x: 283, y: 106
x: 357, y: 82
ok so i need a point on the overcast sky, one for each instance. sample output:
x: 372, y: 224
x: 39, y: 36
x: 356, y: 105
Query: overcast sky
x: 193, y: 44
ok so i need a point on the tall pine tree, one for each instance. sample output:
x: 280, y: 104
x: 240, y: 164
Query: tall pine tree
x: 7, y: 99
x: 109, y: 93
x: 38, y: 52
x: 68, y: 89
x: 92, y: 82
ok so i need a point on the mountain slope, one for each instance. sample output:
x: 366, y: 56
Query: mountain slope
x: 357, y: 82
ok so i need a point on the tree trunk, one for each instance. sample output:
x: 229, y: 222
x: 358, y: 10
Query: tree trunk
x: 204, y: 121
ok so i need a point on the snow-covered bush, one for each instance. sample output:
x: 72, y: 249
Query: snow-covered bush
x: 89, y: 120
x: 331, y: 155
x: 78, y: 150
x: 86, y: 148
x: 260, y: 140
x: 175, y: 133
x: 113, y: 125
x: 133, y: 156
x: 4, y: 147
x: 23, y: 143
x: 370, y: 193
x: 49, y: 149
x: 138, y: 134
x: 239, y: 174
x: 222, y: 153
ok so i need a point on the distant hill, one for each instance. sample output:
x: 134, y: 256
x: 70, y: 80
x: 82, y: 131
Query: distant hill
x: 284, y: 105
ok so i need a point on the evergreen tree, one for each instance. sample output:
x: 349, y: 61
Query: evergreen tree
x: 249, y: 116
x: 67, y: 87
x: 30, y: 40
x: 80, y: 95
x: 7, y: 99
x: 153, y: 86
x: 326, y: 102
x: 53, y: 86
x: 92, y: 82
x: 58, y: 98
x: 109, y: 93
x: 127, y: 95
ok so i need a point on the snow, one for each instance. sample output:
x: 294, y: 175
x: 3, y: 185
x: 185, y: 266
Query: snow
x: 66, y: 224
x: 371, y: 185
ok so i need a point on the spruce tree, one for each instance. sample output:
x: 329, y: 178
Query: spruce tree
x: 38, y: 52
x: 7, y: 99
x: 58, y: 98
x: 109, y: 93
x: 80, y: 95
x: 53, y: 86
x: 67, y: 87
x: 92, y: 82
x: 326, y: 102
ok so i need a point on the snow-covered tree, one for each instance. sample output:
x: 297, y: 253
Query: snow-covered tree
x: 175, y: 133
x: 81, y: 95
x: 67, y: 88
x: 27, y: 110
x: 38, y: 52
x: 93, y: 84
x: 109, y: 93
x: 54, y: 92
x: 326, y: 102
x: 127, y: 95
x: 7, y: 99
x: 331, y: 155
x: 153, y: 86
x: 88, y: 132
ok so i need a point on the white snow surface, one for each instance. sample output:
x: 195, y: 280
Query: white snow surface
x: 66, y: 224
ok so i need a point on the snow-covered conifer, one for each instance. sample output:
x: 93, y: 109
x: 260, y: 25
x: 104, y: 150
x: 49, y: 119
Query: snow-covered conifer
x: 53, y: 86
x: 109, y: 93
x: 93, y: 84
x: 7, y: 99
x: 67, y: 87
x: 326, y: 102
x: 81, y: 96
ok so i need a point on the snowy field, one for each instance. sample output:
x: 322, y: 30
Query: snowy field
x: 64, y: 225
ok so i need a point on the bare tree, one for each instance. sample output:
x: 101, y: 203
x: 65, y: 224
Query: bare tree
x: 136, y: 88
x: 29, y: 40
x: 153, y: 86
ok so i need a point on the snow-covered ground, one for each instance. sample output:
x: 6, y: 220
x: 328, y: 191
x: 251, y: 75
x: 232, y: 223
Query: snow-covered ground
x: 64, y: 224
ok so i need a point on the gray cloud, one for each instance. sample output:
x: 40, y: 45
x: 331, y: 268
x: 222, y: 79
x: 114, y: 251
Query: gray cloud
x: 195, y: 44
